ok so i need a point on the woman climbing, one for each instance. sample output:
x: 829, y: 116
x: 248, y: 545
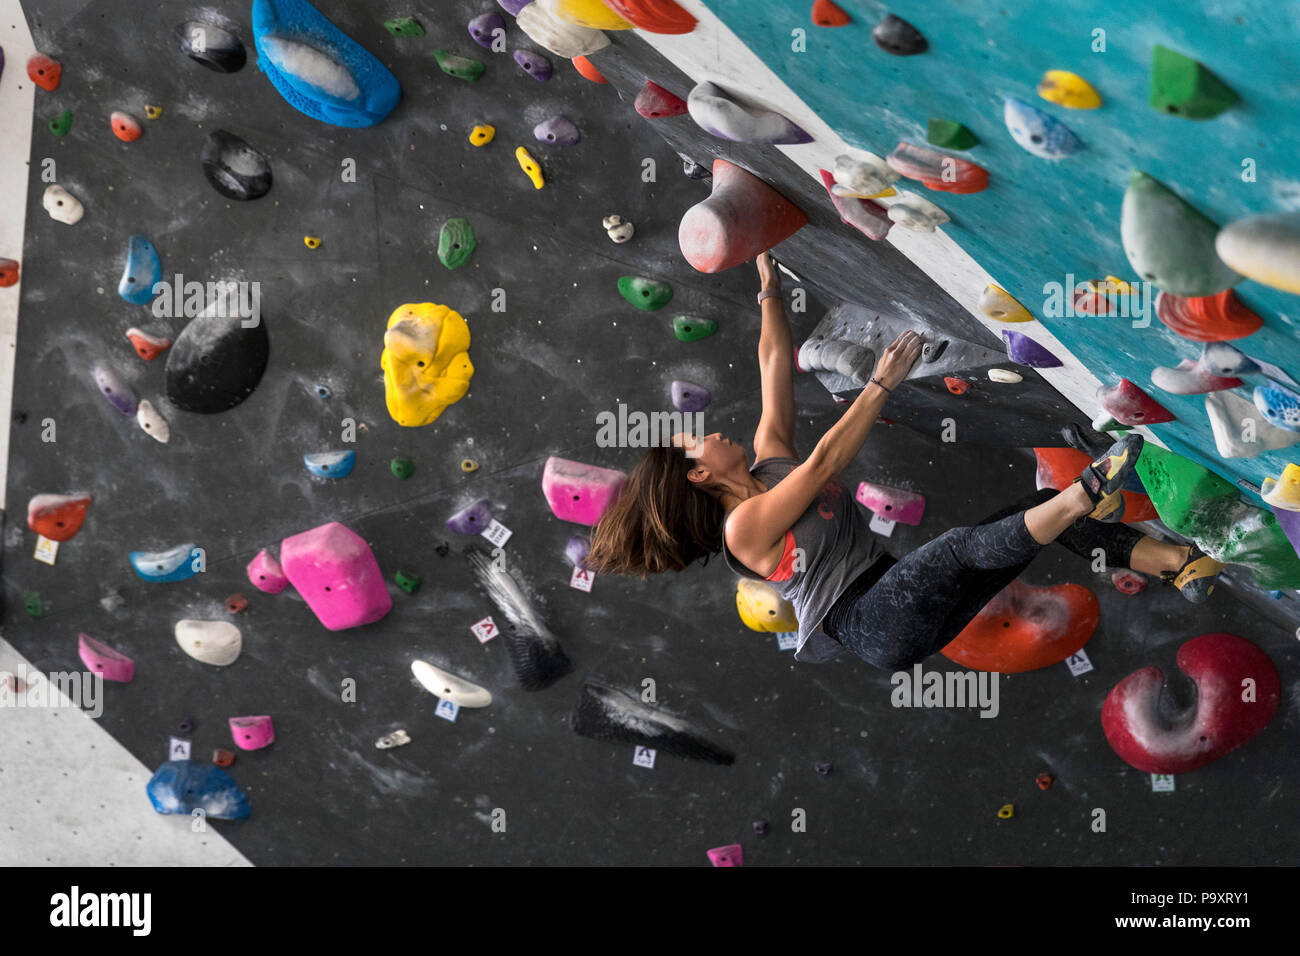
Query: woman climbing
x: 790, y: 522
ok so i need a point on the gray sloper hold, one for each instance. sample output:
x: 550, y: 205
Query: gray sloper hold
x: 718, y: 114
x: 216, y: 362
x: 608, y: 713
x: 535, y: 653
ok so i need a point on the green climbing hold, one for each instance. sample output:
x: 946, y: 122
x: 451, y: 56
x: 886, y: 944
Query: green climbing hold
x: 402, y: 468
x: 1182, y: 87
x: 456, y: 243
x: 409, y: 583
x: 33, y: 604
x: 60, y: 125
x: 461, y: 67
x: 404, y: 27
x: 950, y: 134
x: 688, y: 328
x: 1200, y: 505
x: 646, y: 294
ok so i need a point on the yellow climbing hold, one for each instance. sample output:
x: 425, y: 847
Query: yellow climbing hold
x: 153, y: 112
x: 468, y: 465
x: 1006, y: 811
x: 482, y: 134
x: 592, y: 14
x: 997, y: 303
x: 425, y: 361
x: 1069, y: 90
x: 1283, y: 492
x: 763, y: 609
x: 311, y: 242
x: 530, y: 167
x: 845, y: 193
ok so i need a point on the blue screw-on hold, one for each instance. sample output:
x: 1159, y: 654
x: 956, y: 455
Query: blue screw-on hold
x: 323, y: 392
x: 183, y: 786
x: 1039, y: 133
x: 1276, y: 595
x: 1279, y: 406
x: 143, y: 269
x: 174, y: 564
x: 330, y: 464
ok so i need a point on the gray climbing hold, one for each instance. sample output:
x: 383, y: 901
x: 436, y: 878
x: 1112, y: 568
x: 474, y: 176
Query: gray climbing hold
x: 718, y: 114
x: 1169, y: 242
x: 1233, y: 420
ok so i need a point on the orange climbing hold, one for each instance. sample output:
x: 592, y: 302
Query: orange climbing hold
x: 958, y: 386
x: 937, y: 170
x: 45, y: 72
x: 147, y: 346
x: 57, y: 517
x: 1058, y: 467
x: 126, y: 127
x: 588, y: 69
x: 8, y: 272
x: 741, y: 218
x: 1026, y: 628
x: 827, y: 14
x: 654, y: 16
x: 1211, y: 318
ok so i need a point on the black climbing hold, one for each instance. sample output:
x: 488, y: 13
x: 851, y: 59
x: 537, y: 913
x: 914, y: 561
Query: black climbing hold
x: 235, y: 169
x: 442, y: 549
x: 209, y: 45
x: 895, y: 35
x: 823, y: 768
x: 931, y: 351
x: 693, y: 169
x: 216, y: 362
x: 760, y: 828
x: 186, y: 726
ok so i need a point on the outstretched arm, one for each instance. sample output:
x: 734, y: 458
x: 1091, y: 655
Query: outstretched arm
x: 775, y: 435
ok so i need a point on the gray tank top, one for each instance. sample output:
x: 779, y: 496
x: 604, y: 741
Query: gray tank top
x: 837, y: 546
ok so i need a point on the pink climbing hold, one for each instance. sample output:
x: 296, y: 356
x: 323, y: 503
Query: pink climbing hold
x: 266, y: 574
x: 99, y: 658
x: 1128, y: 582
x: 337, y: 575
x: 867, y: 217
x: 252, y: 733
x: 1129, y: 405
x: 905, y: 507
x: 741, y: 218
x: 580, y: 493
x: 730, y: 855
x: 654, y: 102
x: 937, y: 170
x: 1237, y: 694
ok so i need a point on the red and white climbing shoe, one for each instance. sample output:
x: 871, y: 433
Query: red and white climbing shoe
x: 1103, y: 480
x: 1197, y: 576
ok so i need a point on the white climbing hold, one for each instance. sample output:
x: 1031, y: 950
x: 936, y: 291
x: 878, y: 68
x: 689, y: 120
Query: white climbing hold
x: 1005, y: 376
x: 1264, y: 248
x: 618, y: 228
x: 154, y: 425
x: 539, y: 21
x: 212, y: 642
x: 62, y: 205
x: 915, y: 212
x: 447, y: 686
x: 863, y: 176
x: 1233, y: 418
x: 398, y: 738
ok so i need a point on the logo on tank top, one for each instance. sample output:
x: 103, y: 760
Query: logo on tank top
x: 830, y: 496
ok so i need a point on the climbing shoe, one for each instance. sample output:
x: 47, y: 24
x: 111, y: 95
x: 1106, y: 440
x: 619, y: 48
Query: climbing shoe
x: 1197, y: 576
x: 1103, y: 479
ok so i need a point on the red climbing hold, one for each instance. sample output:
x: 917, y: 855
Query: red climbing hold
x: 57, y: 517
x: 957, y: 386
x: 654, y: 16
x: 236, y: 603
x: 1024, y: 628
x: 1211, y: 318
x: 654, y: 102
x: 1129, y: 405
x: 8, y: 272
x: 45, y: 71
x: 588, y: 69
x: 869, y: 218
x: 147, y: 346
x: 827, y: 14
x: 1237, y: 693
x: 1044, y: 781
x: 938, y: 170
x: 1058, y: 467
x: 741, y: 218
x: 1128, y: 582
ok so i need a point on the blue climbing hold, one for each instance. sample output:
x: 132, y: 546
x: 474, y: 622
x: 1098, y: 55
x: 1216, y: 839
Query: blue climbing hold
x: 473, y: 519
x: 330, y: 464
x: 1279, y: 406
x: 143, y: 269
x: 318, y: 68
x: 1025, y: 351
x: 183, y: 786
x: 1039, y: 133
x: 160, y: 567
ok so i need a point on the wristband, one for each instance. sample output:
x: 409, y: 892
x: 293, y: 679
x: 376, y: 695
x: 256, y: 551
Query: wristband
x: 882, y: 385
x: 768, y: 294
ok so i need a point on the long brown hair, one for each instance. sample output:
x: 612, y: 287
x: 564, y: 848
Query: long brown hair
x: 662, y: 521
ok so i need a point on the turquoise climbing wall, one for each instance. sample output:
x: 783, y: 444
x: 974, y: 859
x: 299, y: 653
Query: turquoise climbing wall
x: 1040, y: 221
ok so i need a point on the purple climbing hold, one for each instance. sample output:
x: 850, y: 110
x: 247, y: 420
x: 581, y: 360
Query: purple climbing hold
x: 534, y: 64
x: 513, y: 7
x: 473, y: 519
x: 559, y: 130
x: 1025, y: 351
x: 577, y: 550
x: 483, y: 28
x: 690, y: 398
x: 120, y: 395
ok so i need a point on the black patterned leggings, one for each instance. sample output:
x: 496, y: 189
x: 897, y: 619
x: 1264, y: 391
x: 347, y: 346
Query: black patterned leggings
x: 924, y: 601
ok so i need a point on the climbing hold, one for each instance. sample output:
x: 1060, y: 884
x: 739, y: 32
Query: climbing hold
x: 1058, y: 467
x: 530, y: 167
x: 1129, y: 405
x: 957, y: 386
x: 265, y: 573
x: 654, y: 102
x: 690, y: 398
x: 1025, y: 351
x: 1264, y: 248
x: 223, y: 758
x: 587, y: 13
x: 535, y: 653
x: 895, y: 35
x: 62, y: 205
x: 99, y: 658
x: 997, y: 303
x: 1044, y: 781
x: 456, y: 243
x: 483, y: 28
x: 863, y: 176
x: 1025, y: 628
x: 733, y: 854
x: 692, y: 169
x: 410, y: 583
x: 588, y: 70
x: 618, y: 229
x: 646, y: 294
x: 153, y: 424
x: 252, y: 733
x: 937, y: 170
x: 209, y: 45
x: 120, y: 395
x: 402, y: 468
x: 472, y: 519
x: 1005, y: 376
x: 217, y: 361
x: 126, y: 127
x: 905, y: 507
x: 212, y: 642
x: 311, y: 242
x: 869, y: 218
x: 1283, y: 492
x: 1222, y: 718
x: 1128, y: 582
x: 425, y: 362
x: 759, y: 827
x: 1182, y: 87
x: 461, y: 67
x: 762, y: 608
x: 448, y: 686
x: 688, y: 328
x: 187, y: 786
x: 331, y: 464
x: 1279, y: 406
x: 1169, y: 242
x: 917, y: 213
x: 322, y: 392
x: 826, y: 14
x: 718, y: 114
x: 558, y: 130
x: 1037, y: 132
x: 482, y: 134
x: 608, y: 713
x: 152, y: 112
x: 1190, y: 378
x: 580, y: 493
x: 1227, y: 360
x: 337, y: 575
x: 539, y: 21
x: 57, y: 517
x: 161, y: 567
x: 742, y: 217
x: 45, y: 72
x: 949, y: 134
x: 1006, y: 811
x: 142, y: 270
x: 1069, y: 90
x: 1211, y: 318
x: 398, y: 738
x: 534, y: 64
x: 823, y: 768
x: 147, y: 346
x: 61, y: 124
x: 235, y: 169
x: 408, y: 27
x: 1228, y: 414
x: 317, y: 68
x: 236, y: 603
x: 33, y: 604
x: 8, y: 272
x: 468, y: 465
x: 576, y: 550
x: 654, y: 16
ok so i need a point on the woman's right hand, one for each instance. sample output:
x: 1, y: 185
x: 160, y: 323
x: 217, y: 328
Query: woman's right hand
x: 768, y: 277
x: 897, y: 360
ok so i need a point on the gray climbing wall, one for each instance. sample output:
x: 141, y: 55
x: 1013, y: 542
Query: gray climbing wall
x: 906, y: 787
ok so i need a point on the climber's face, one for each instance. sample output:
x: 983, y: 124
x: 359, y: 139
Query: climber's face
x: 711, y: 454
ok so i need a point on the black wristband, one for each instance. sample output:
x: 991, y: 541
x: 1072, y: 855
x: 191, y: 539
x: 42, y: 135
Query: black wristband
x: 882, y: 385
